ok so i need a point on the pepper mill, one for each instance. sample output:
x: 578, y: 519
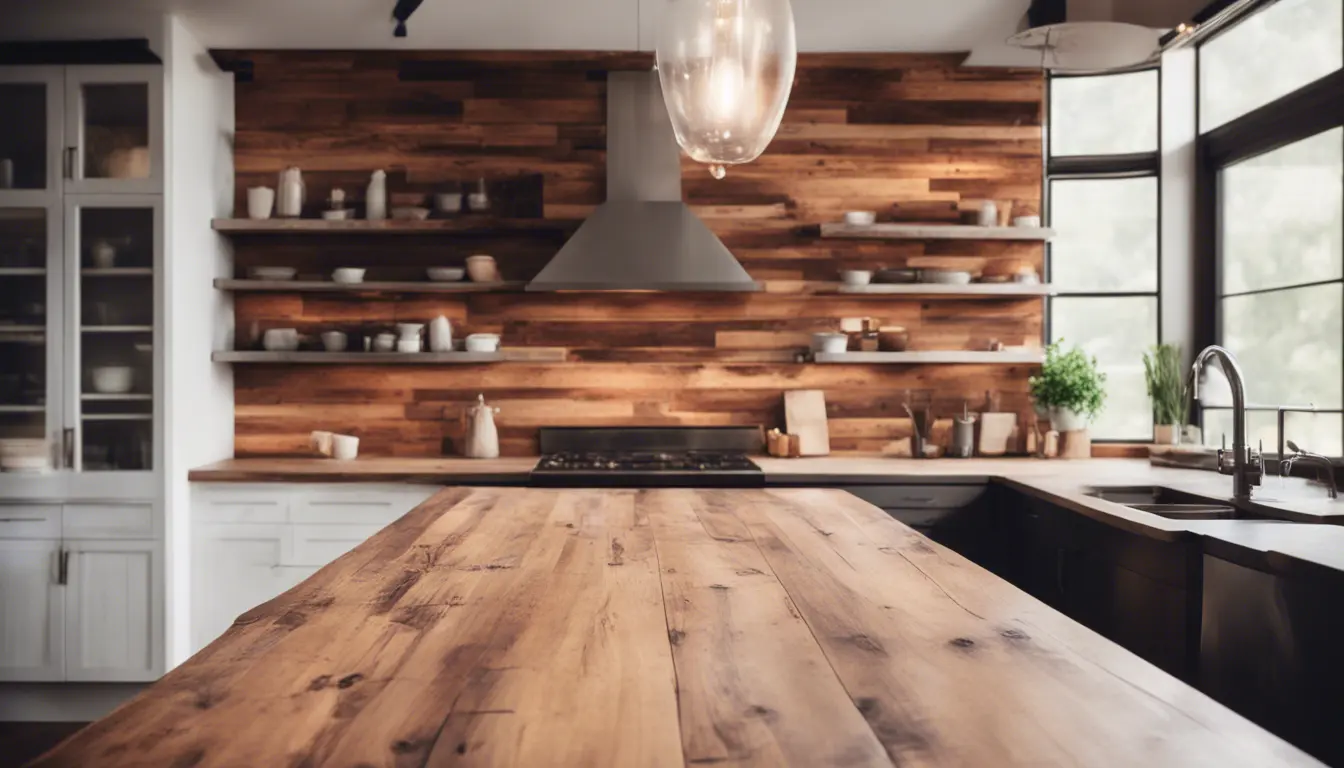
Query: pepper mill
x: 963, y: 434
x: 482, y: 437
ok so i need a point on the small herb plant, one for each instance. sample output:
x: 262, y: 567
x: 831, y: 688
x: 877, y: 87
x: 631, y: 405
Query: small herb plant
x: 1166, y: 385
x: 1069, y: 380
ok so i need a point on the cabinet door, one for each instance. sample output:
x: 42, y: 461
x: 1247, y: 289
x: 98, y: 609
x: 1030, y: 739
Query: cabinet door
x: 113, y: 246
x: 32, y: 333
x: 234, y: 569
x: 31, y: 611
x: 32, y: 134
x: 114, y: 129
x: 113, y: 619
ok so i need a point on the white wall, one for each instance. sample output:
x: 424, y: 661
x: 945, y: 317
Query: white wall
x: 199, y: 394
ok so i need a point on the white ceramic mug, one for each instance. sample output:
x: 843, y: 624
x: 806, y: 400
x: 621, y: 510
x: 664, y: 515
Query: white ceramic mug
x: 989, y: 213
x: 280, y: 339
x: 260, y: 202
x: 334, y: 341
x: 344, y: 447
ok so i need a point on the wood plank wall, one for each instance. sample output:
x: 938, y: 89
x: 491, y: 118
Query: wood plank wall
x: 914, y: 137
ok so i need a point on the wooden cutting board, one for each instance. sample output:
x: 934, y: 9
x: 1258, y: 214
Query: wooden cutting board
x: 995, y: 431
x: 805, y: 416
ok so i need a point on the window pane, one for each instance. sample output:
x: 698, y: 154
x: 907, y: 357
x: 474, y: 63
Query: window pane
x: 1268, y: 55
x: 1289, y: 344
x: 1315, y: 432
x: 1117, y: 331
x: 1283, y: 216
x: 1106, y: 235
x: 1107, y: 115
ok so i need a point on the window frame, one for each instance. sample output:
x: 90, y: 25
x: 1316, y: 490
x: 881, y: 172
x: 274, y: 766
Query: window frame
x: 1311, y: 109
x: 1100, y: 167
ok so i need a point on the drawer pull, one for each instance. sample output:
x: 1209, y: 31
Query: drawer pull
x: 918, y: 499
x: 23, y: 519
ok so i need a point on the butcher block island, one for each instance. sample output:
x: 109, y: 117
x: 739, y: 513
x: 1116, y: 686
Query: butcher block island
x: 509, y: 626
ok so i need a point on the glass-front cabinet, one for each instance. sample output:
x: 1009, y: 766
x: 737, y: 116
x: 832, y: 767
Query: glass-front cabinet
x: 81, y: 227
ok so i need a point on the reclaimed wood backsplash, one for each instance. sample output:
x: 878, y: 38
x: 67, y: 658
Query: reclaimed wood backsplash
x: 914, y: 137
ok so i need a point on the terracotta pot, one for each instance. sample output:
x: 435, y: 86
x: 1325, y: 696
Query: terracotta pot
x: 1167, y: 434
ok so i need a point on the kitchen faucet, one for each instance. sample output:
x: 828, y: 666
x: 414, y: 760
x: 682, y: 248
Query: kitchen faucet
x: 1244, y: 464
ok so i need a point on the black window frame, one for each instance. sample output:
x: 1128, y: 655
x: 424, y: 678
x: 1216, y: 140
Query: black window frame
x: 1092, y: 167
x: 1313, y: 108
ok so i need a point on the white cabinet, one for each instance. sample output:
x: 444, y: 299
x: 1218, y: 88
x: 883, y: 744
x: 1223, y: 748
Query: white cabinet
x: 234, y: 567
x: 31, y: 611
x: 113, y: 614
x: 253, y: 542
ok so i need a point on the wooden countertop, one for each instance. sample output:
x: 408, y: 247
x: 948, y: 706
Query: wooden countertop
x: 663, y: 627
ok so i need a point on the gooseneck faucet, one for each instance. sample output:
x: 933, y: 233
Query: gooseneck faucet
x: 1244, y: 464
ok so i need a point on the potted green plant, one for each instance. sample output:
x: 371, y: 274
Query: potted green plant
x: 1166, y: 389
x: 1070, y: 391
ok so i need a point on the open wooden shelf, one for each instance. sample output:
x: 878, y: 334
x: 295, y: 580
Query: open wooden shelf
x: 890, y: 231
x: 952, y: 291
x: 948, y: 357
x: 542, y: 355
x: 326, y: 286
x: 463, y: 225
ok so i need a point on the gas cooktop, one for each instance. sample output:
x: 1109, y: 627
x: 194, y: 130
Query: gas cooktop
x: 647, y: 457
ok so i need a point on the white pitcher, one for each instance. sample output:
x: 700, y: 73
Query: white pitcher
x: 375, y: 200
x: 440, y: 335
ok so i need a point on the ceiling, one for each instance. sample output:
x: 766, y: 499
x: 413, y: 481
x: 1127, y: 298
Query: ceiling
x: 823, y: 25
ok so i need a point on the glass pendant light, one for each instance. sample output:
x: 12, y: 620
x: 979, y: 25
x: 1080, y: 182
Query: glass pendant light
x: 727, y: 68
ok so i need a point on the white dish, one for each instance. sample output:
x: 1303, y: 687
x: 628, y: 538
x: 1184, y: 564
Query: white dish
x: 272, y: 273
x: 408, y: 345
x: 113, y: 379
x: 348, y: 275
x: 410, y: 213
x: 856, y: 276
x: 446, y: 274
x: 944, y: 276
x: 860, y: 218
x: 1026, y: 221
x: 334, y: 341
x: 340, y: 214
x: 825, y: 341
x: 384, y: 342
x: 483, y: 342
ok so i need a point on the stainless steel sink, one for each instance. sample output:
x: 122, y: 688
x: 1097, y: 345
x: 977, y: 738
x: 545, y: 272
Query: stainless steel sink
x: 1168, y: 502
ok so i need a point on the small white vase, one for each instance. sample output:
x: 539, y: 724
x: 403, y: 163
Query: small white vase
x: 1067, y: 420
x: 375, y: 200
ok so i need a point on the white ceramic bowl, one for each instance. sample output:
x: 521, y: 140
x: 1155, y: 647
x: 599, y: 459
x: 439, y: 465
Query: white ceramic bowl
x: 856, y: 276
x: 272, y: 273
x: 1026, y: 221
x: 113, y: 379
x: 344, y: 447
x: 348, y: 275
x: 334, y: 341
x: 483, y: 342
x: 827, y: 341
x: 860, y: 218
x: 944, y: 276
x: 446, y: 274
x: 408, y: 345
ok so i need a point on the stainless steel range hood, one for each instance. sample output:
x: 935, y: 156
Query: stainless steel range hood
x: 643, y: 238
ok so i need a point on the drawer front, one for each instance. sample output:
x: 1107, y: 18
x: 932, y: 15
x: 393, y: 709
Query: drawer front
x: 30, y: 521
x: 357, y: 506
x: 109, y: 521
x: 917, y: 496
x: 316, y: 545
x: 241, y: 506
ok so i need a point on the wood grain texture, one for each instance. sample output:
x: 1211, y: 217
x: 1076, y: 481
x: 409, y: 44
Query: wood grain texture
x: 663, y: 627
x: 914, y: 137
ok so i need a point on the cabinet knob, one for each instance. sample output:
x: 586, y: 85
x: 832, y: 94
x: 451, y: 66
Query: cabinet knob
x: 63, y: 567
